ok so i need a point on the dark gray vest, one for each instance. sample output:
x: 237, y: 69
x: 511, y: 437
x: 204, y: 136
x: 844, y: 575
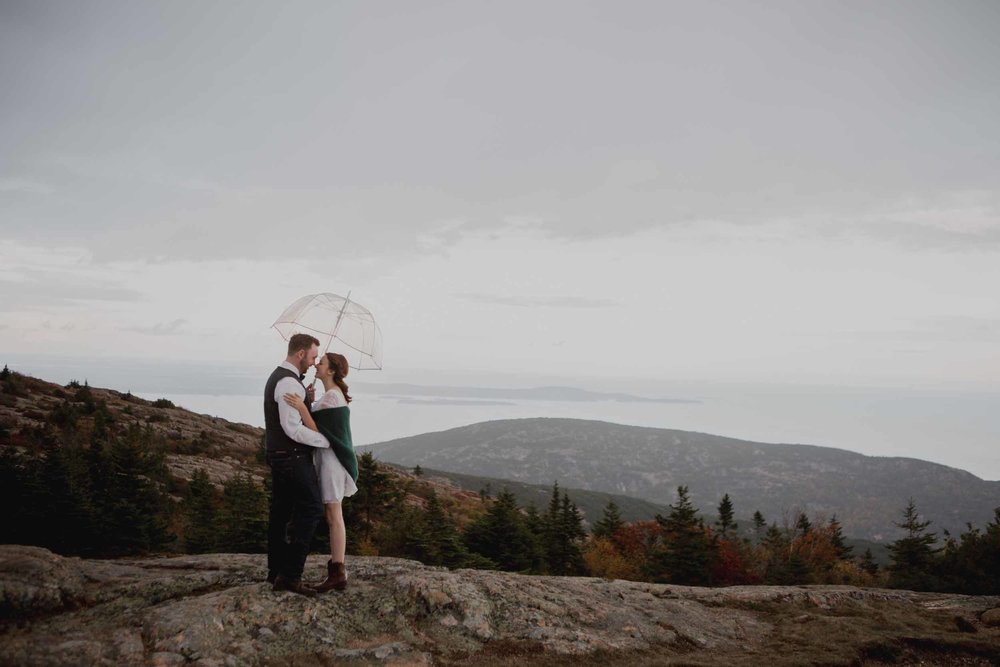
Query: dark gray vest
x: 275, y: 437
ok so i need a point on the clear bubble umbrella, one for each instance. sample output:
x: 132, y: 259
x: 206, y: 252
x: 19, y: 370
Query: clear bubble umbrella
x: 331, y: 317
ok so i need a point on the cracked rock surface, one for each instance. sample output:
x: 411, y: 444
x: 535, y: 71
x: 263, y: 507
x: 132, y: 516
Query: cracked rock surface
x: 215, y: 609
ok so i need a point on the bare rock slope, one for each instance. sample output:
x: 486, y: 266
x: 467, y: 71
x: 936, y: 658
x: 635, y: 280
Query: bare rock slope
x: 216, y: 610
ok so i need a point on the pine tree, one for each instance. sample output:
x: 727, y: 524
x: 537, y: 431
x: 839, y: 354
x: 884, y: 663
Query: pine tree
x: 802, y: 524
x: 552, y: 543
x: 912, y: 556
x: 377, y: 493
x: 684, y: 558
x: 572, y: 535
x: 776, y: 553
x: 418, y: 471
x: 502, y: 536
x: 759, y: 524
x: 535, y: 523
x: 725, y: 522
x: 128, y: 474
x: 837, y: 539
x: 444, y: 545
x: 610, y: 522
x: 200, y: 515
x: 244, y: 516
x: 867, y: 562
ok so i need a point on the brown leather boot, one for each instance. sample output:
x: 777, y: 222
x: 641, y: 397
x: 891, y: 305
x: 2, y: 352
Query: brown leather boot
x: 336, y: 578
x: 292, y: 585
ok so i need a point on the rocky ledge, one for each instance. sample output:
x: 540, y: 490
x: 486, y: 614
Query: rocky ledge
x: 215, y: 609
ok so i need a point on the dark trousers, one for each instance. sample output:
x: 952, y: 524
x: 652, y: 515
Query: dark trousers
x: 295, y: 498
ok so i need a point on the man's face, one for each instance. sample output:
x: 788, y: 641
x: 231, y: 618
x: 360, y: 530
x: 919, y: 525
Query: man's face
x: 308, y: 358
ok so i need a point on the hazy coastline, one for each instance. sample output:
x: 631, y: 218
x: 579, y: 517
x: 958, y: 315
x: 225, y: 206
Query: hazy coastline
x: 955, y: 428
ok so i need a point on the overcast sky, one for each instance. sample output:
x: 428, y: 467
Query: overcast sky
x: 804, y: 192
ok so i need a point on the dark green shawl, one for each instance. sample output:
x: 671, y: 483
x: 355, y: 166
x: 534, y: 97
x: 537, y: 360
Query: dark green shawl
x: 335, y: 425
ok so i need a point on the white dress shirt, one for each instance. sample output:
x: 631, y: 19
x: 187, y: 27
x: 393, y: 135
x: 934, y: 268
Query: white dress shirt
x: 291, y: 421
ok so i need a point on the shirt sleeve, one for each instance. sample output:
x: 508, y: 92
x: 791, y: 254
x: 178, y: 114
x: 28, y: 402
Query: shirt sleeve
x: 291, y: 421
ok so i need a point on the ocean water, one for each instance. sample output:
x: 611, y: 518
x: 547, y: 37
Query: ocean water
x: 959, y: 429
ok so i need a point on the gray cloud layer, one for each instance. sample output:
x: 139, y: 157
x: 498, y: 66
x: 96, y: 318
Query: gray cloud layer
x: 170, y: 130
x: 540, y: 301
x: 39, y: 292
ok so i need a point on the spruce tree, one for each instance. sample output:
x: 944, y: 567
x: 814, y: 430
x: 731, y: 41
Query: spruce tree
x: 128, y: 474
x: 444, y: 545
x: 200, y: 515
x: 552, y: 542
x: 913, y: 555
x: 776, y: 548
x: 725, y: 522
x: 759, y: 524
x: 244, y: 516
x: 684, y: 558
x: 867, y: 562
x: 837, y: 539
x: 501, y: 535
x: 535, y: 523
x: 610, y: 522
x: 377, y: 493
x: 802, y: 524
x: 571, y: 535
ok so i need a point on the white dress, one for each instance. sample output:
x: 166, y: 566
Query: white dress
x: 335, y: 483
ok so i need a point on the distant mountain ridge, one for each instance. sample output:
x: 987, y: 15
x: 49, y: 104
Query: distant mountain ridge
x: 550, y: 393
x: 866, y: 493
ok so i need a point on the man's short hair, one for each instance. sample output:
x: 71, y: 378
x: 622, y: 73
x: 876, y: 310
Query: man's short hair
x: 300, y: 341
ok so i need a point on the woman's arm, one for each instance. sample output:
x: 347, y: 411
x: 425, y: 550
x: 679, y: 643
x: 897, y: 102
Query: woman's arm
x: 296, y: 402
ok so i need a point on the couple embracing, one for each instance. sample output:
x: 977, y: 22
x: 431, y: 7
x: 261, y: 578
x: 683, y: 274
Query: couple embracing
x: 313, y: 467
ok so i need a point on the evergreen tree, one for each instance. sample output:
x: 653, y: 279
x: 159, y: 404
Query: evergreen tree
x: 563, y: 533
x: 867, y: 562
x: 535, y: 523
x: 418, y: 471
x: 403, y: 533
x: 244, y: 516
x: 444, y: 545
x: 777, y: 556
x: 684, y: 558
x: 759, y: 524
x: 972, y: 564
x: 200, y: 515
x: 571, y: 536
x: 552, y: 543
x: 725, y: 522
x: 912, y: 556
x: 610, y: 522
x: 377, y: 493
x: 486, y: 492
x: 502, y: 536
x: 802, y: 524
x: 130, y: 505
x: 837, y: 539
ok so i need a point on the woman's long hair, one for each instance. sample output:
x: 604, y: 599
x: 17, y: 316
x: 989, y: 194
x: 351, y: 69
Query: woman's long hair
x: 338, y: 364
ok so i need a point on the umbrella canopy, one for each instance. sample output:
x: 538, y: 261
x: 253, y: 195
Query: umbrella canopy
x: 331, y: 317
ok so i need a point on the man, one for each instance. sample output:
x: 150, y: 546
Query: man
x: 295, y: 495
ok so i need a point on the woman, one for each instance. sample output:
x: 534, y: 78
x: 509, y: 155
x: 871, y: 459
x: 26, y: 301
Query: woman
x: 337, y: 466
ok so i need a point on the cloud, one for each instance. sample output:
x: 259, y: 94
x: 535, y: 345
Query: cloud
x: 37, y: 291
x: 961, y: 220
x: 160, y: 328
x: 540, y: 301
x: 25, y: 186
